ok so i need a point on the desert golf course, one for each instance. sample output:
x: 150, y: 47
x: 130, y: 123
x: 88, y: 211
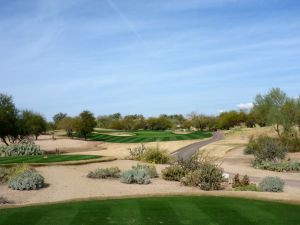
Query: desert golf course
x: 183, y: 210
x: 145, y: 136
x: 44, y: 159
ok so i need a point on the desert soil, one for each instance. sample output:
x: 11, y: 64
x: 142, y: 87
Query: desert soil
x: 70, y: 182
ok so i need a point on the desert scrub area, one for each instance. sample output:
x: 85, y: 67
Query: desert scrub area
x: 180, y: 210
x: 146, y: 136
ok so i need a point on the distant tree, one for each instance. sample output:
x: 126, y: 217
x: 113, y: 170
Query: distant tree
x: 116, y: 116
x: 199, y: 121
x: 104, y: 121
x: 85, y: 123
x: 58, y: 117
x: 160, y: 123
x: 33, y: 123
x: 227, y: 120
x: 67, y: 124
x: 9, y: 130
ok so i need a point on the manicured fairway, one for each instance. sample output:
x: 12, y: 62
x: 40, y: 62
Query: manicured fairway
x: 43, y: 159
x: 155, y: 211
x: 147, y: 136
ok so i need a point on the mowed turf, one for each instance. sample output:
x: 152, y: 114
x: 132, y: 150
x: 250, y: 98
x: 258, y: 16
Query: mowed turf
x: 45, y: 159
x: 154, y: 211
x: 147, y: 136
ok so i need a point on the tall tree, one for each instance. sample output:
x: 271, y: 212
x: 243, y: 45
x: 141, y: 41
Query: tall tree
x: 67, y: 124
x: 85, y: 123
x: 9, y: 132
x: 58, y: 117
x: 33, y: 123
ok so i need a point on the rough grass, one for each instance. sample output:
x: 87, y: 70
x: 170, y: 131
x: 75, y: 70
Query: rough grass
x: 146, y: 136
x: 45, y: 159
x: 188, y: 210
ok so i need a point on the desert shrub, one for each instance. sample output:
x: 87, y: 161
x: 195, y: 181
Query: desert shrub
x: 112, y: 172
x: 136, y: 153
x: 191, y: 164
x: 269, y: 149
x: 4, y: 201
x: 149, y: 154
x: 245, y: 181
x: 27, y: 180
x: 283, y: 166
x: 207, y: 177
x: 249, y: 187
x: 135, y: 176
x: 236, y: 181
x: 271, y: 184
x: 21, y: 149
x: 156, y: 155
x: 149, y: 169
x: 173, y: 172
x: 4, y: 175
x: 8, y: 173
x: 291, y: 140
x: 251, y: 146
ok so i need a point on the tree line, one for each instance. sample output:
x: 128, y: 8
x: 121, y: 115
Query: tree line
x: 275, y: 108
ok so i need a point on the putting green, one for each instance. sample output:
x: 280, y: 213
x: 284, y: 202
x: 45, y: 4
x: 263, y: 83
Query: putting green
x: 45, y: 159
x: 188, y: 210
x: 145, y: 136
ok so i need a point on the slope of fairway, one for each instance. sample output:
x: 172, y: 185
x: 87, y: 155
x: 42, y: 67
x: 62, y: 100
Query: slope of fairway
x: 47, y: 159
x: 159, y: 210
x: 147, y: 136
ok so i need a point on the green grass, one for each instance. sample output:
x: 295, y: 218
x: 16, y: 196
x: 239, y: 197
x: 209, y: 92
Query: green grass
x: 146, y: 136
x: 154, y: 211
x: 43, y: 159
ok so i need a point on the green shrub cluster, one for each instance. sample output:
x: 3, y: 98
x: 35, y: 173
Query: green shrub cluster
x: 8, y: 173
x: 283, y: 166
x: 173, y: 173
x: 271, y: 184
x: 149, y: 169
x: 27, y: 180
x: 112, y: 172
x: 266, y: 148
x: 139, y: 174
x: 21, y: 149
x: 243, y: 184
x: 150, y: 154
x: 249, y: 187
x: 198, y: 171
x: 135, y: 176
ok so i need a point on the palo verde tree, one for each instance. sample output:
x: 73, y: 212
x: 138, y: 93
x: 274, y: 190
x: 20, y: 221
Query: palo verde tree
x: 85, y: 123
x: 277, y: 109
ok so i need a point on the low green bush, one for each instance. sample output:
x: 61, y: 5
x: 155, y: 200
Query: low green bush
x: 112, y: 172
x: 7, y: 174
x: 135, y: 176
x: 249, y: 187
x: 21, y: 149
x: 251, y: 146
x: 271, y: 184
x: 4, y: 175
x: 283, y: 166
x: 173, y: 173
x: 28, y: 180
x: 156, y: 155
x: 268, y: 149
x: 149, y: 169
x: 208, y: 177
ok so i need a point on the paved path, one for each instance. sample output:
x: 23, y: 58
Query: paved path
x: 187, y: 151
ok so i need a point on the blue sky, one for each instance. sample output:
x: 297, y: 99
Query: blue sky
x: 150, y: 57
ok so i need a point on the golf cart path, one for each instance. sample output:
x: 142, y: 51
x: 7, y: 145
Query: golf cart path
x: 187, y: 151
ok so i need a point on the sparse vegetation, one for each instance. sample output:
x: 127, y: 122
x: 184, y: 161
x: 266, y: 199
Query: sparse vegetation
x: 149, y: 154
x: 20, y: 149
x: 271, y: 184
x: 282, y: 166
x: 173, y: 173
x: 26, y: 180
x: 112, y: 172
